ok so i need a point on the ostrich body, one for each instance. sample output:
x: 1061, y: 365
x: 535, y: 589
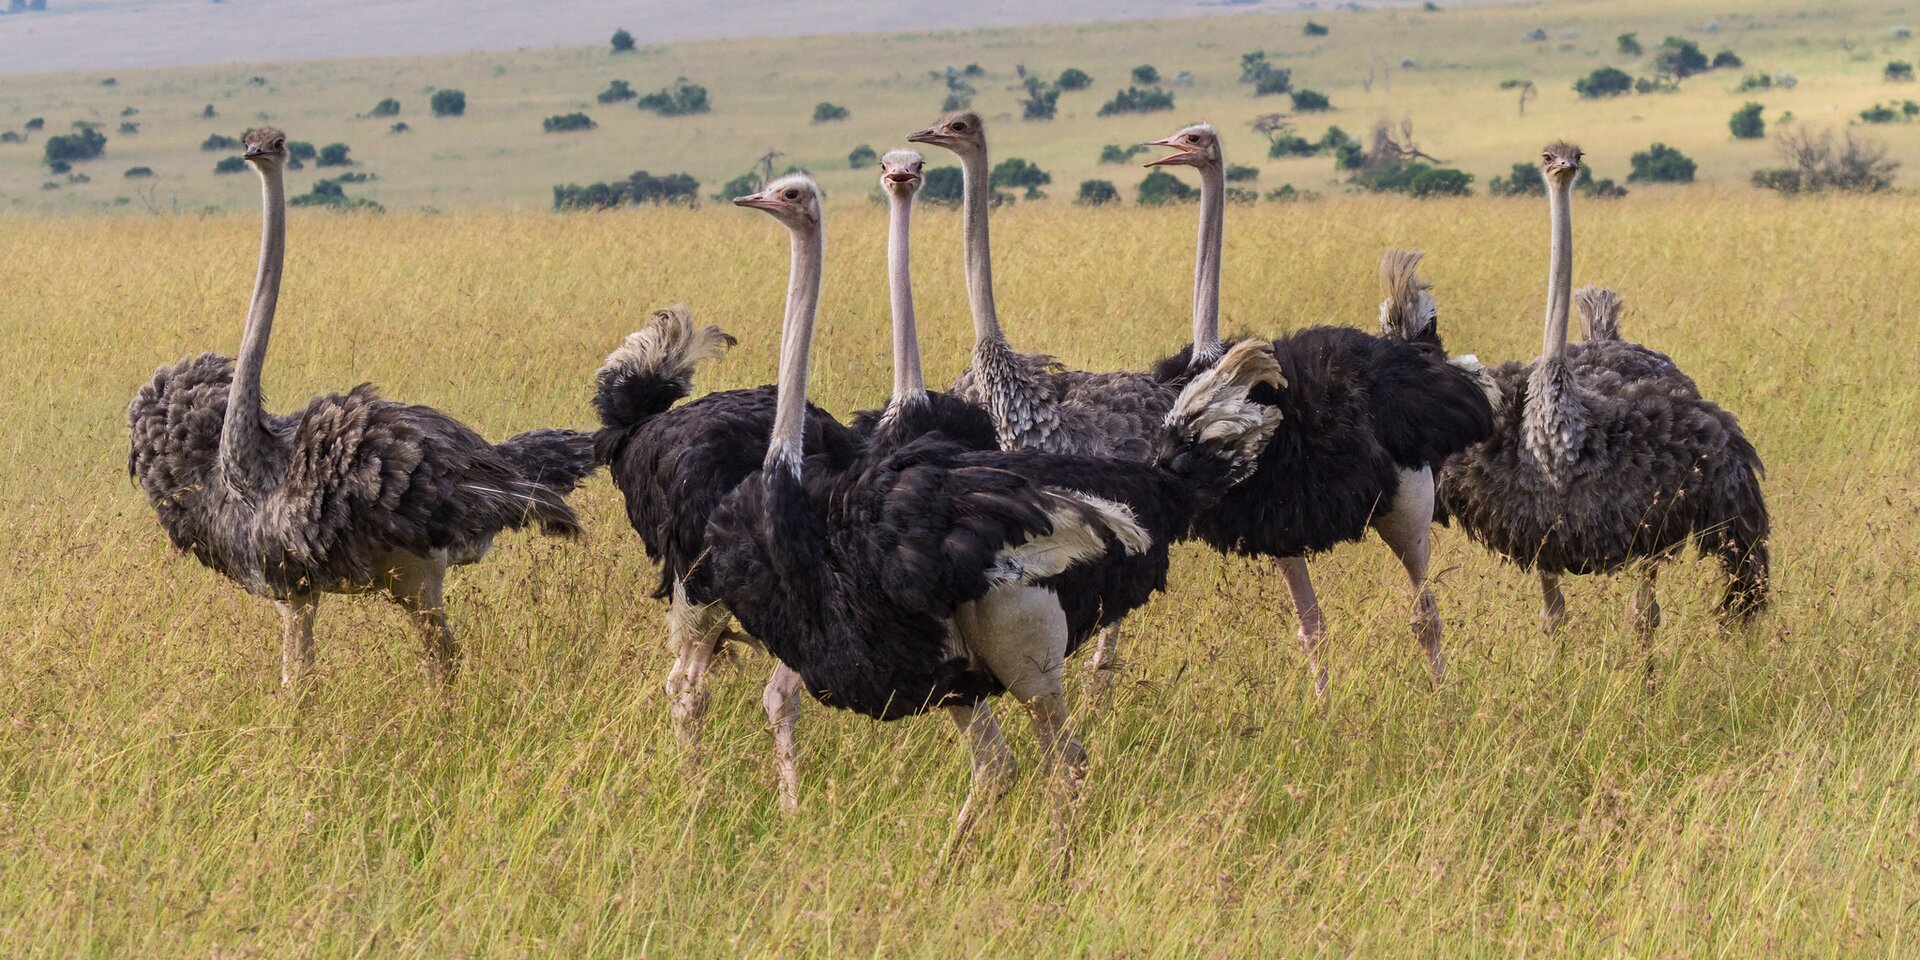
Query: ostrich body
x: 918, y: 577
x: 350, y: 494
x: 1364, y: 423
x: 1605, y: 457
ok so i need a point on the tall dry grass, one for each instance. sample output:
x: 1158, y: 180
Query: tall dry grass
x: 159, y: 797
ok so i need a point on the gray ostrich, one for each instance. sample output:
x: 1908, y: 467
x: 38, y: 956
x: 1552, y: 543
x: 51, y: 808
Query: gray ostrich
x: 1606, y: 458
x: 350, y: 494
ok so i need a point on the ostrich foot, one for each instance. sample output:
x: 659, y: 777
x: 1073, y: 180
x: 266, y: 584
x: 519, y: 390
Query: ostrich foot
x: 1553, y: 607
x: 782, y: 700
x: 1427, y: 630
x: 994, y: 768
x: 1105, y: 666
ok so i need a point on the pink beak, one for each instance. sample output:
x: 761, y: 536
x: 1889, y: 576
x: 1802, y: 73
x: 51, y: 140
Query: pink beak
x: 1171, y: 143
x: 758, y: 201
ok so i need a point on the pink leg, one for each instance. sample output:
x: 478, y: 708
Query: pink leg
x: 1306, y: 606
x: 1407, y: 531
x: 782, y: 699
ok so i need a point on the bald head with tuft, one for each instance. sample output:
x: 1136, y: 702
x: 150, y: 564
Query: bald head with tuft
x: 961, y: 131
x: 901, y: 171
x: 264, y: 145
x: 1194, y: 146
x: 1560, y: 161
x: 793, y: 200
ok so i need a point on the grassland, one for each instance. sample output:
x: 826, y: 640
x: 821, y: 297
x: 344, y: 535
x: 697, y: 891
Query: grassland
x: 158, y: 797
x: 764, y: 91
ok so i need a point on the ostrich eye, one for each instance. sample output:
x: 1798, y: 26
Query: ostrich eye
x: 792, y: 194
x: 278, y: 143
x: 960, y: 126
x: 1192, y: 138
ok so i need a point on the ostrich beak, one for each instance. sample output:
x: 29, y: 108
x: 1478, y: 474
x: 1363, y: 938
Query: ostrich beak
x: 902, y: 176
x: 758, y: 201
x: 1179, y: 156
x: 929, y: 135
x: 253, y: 152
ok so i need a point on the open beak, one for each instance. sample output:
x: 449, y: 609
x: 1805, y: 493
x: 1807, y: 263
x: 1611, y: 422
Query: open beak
x: 923, y: 136
x: 902, y: 176
x: 758, y: 201
x: 1179, y: 155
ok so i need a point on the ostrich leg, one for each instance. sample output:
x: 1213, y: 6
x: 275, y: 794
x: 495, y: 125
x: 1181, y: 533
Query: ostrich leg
x: 1553, y: 611
x: 1646, y: 618
x: 1104, y: 664
x: 415, y: 583
x: 782, y: 699
x: 1408, y: 529
x: 1313, y: 629
x: 694, y: 631
x: 296, y: 637
x: 994, y: 768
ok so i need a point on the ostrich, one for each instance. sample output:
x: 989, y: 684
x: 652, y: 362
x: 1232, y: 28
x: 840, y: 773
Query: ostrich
x: 1365, y: 422
x: 351, y: 494
x: 919, y: 576
x: 1605, y: 458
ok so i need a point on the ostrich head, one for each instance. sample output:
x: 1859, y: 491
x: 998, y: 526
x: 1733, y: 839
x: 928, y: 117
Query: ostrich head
x: 900, y: 172
x: 960, y: 131
x: 265, y: 145
x: 793, y: 200
x: 1196, y: 146
x: 1560, y: 161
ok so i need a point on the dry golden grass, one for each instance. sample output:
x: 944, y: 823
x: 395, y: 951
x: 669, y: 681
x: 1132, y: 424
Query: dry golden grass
x: 159, y: 797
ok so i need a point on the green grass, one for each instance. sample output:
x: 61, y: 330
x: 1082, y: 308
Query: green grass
x: 763, y: 92
x: 159, y: 797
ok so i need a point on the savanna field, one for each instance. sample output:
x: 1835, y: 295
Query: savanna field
x: 159, y: 796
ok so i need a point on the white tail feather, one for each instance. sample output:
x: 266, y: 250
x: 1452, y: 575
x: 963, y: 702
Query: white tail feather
x: 669, y: 346
x: 1082, y: 525
x: 1215, y: 411
x: 1488, y: 386
x: 1408, y: 309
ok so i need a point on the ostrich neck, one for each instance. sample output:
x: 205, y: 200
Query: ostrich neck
x: 907, y: 381
x: 1559, y: 271
x: 241, y: 438
x: 1555, y: 426
x: 976, y: 196
x: 796, y: 340
x: 1206, y: 264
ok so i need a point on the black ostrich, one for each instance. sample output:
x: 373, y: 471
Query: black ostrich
x: 1365, y: 422
x: 919, y: 576
x: 1605, y: 457
x: 351, y: 494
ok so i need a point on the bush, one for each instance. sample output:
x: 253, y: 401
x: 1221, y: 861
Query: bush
x: 824, y: 112
x: 208, y: 113
x: 1526, y: 180
x: 386, y: 108
x: 1145, y: 75
x: 1656, y: 85
x: 974, y: 70
x: 1015, y: 173
x: 85, y: 143
x: 1889, y: 112
x: 739, y: 186
x: 1746, y: 123
x: 36, y: 123
x: 955, y: 101
x: 1680, y: 58
x: 136, y: 173
x: 1310, y: 101
x: 1285, y: 193
x: 1537, y: 35
x: 1237, y: 173
x: 1136, y: 100
x: 1266, y: 78
x: 679, y: 100
x: 59, y: 166
x: 1115, y: 153
x: 1161, y: 187
x: 1727, y: 60
x: 448, y: 103
x: 129, y: 128
x: 11, y: 136
x: 333, y: 155
x: 1661, y: 164
x: 1275, y: 82
x: 622, y: 41
x: 640, y: 187
x: 400, y: 127
x: 1095, y: 193
x: 230, y: 165
x: 1415, y: 179
x: 329, y: 194
x: 1073, y: 78
x: 216, y: 142
x: 862, y: 156
x: 1314, y: 29
x: 1041, y: 101
x: 615, y: 92
x: 565, y: 123
x: 943, y: 185
x: 1291, y: 145
x: 1603, y: 82
x: 1815, y: 165
x: 1898, y: 71
x: 1629, y: 45
x: 1754, y: 81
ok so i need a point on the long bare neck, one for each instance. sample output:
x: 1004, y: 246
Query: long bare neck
x: 976, y: 197
x: 796, y: 341
x: 1206, y: 264
x: 1553, y: 347
x: 241, y: 457
x: 907, y: 381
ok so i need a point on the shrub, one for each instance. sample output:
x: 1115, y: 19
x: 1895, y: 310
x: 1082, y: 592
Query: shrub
x: 974, y: 70
x: 1526, y: 180
x: 59, y: 166
x: 1629, y: 45
x: 1656, y: 85
x: 208, y: 113
x: 1161, y: 187
x: 1275, y: 82
x: 1349, y: 156
x: 1041, y: 101
x: 129, y: 111
x: 1661, y: 164
x: 1266, y: 78
x: 739, y: 186
x: 1310, y: 101
x: 85, y: 143
x: 1314, y: 29
x: 1136, y: 100
x: 333, y: 155
x: 1603, y: 82
x: 129, y: 128
x: 824, y: 112
x: 1899, y: 71
x: 1815, y: 165
x: 615, y: 92
x: 1145, y: 75
x: 1754, y: 81
x: 135, y: 173
x: 1015, y: 173
x: 862, y: 156
x: 1881, y: 113
x: 1073, y: 78
x: 1415, y: 179
x: 1285, y: 193
x: 230, y: 165
x: 12, y: 136
x: 1728, y: 60
x: 1291, y: 145
x: 1237, y: 173
x: 386, y: 108
x: 216, y: 142
x: 1242, y: 195
x: 1747, y: 124
x: 1095, y: 193
x: 1115, y: 153
x: 1680, y: 58
x: 36, y: 123
x: 400, y: 127
x: 640, y: 187
x: 622, y: 41
x: 679, y: 100
x: 566, y: 123
x: 1537, y: 35
x: 943, y: 185
x: 329, y: 194
x: 955, y: 101
x: 448, y: 103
